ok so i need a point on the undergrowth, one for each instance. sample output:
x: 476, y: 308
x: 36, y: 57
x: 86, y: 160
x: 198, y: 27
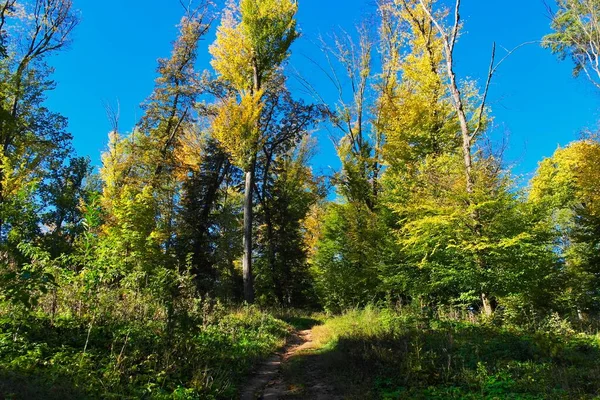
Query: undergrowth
x: 69, y: 357
x: 390, y: 354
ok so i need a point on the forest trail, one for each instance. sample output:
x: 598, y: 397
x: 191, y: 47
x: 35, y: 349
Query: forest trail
x: 270, y: 382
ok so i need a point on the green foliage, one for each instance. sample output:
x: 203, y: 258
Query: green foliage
x: 209, y: 233
x: 405, y: 354
x: 350, y: 255
x: 564, y: 190
x: 289, y: 190
x: 72, y: 357
x: 23, y: 285
x: 129, y: 243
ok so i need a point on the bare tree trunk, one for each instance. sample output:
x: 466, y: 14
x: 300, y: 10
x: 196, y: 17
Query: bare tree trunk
x: 248, y: 203
x: 487, y: 305
x: 248, y: 218
x: 468, y: 135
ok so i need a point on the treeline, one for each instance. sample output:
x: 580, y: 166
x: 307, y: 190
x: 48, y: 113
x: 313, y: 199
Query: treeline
x: 212, y: 193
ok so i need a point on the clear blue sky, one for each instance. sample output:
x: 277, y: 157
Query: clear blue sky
x: 113, y: 56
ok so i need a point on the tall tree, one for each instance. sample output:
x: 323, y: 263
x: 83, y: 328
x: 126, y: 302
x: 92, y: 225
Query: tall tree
x: 31, y: 137
x: 148, y: 168
x: 287, y: 192
x: 472, y: 119
x: 252, y: 43
x: 422, y: 145
x: 457, y: 216
x: 565, y: 189
x: 203, y: 204
x: 284, y: 156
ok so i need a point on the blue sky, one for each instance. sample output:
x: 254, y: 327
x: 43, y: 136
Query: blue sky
x: 113, y: 56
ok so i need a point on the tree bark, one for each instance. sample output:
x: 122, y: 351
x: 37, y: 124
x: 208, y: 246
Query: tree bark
x: 248, y: 203
x: 468, y: 135
x: 248, y: 218
x: 487, y: 305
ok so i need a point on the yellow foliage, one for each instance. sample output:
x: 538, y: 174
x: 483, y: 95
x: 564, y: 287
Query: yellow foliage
x: 253, y: 39
x: 16, y: 181
x: 252, y: 42
x: 416, y: 111
x: 236, y: 127
x: 232, y: 51
x: 570, y: 176
x: 313, y: 228
x: 189, y: 151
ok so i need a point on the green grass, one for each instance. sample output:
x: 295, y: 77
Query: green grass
x: 300, y: 320
x: 209, y: 359
x: 388, y: 355
x: 363, y: 354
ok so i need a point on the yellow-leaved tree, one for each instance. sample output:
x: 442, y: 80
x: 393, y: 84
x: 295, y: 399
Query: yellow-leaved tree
x: 252, y: 42
x: 566, y: 189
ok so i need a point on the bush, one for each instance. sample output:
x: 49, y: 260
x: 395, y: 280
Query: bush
x: 73, y: 357
x: 407, y: 355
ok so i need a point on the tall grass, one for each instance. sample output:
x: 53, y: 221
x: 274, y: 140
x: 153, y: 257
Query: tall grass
x: 384, y: 353
x: 99, y: 350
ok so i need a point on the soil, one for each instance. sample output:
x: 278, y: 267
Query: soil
x: 270, y: 382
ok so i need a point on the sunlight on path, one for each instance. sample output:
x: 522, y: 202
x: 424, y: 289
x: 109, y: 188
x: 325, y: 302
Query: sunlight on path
x: 268, y: 382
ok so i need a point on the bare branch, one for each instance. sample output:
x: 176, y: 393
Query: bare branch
x: 113, y: 115
x: 485, y: 93
x: 456, y: 26
x: 492, y: 71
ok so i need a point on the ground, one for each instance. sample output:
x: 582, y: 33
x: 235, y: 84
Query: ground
x: 293, y: 373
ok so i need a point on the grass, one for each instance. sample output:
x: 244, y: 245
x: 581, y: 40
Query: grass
x: 383, y: 354
x: 41, y: 359
x: 300, y: 320
x: 362, y: 354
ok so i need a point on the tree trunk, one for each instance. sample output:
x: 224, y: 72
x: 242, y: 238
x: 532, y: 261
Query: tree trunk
x: 248, y: 217
x: 467, y: 135
x: 487, y: 305
x: 248, y: 203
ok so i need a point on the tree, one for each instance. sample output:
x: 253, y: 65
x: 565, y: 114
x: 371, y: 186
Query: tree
x: 565, y: 189
x: 576, y: 35
x: 472, y: 119
x: 287, y: 192
x: 32, y: 138
x: 353, y: 250
x: 203, y: 207
x: 64, y: 193
x: 129, y: 243
x: 148, y: 168
x: 459, y: 221
x: 252, y: 43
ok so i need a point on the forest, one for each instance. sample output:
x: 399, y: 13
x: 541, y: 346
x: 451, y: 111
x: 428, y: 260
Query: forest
x: 206, y: 242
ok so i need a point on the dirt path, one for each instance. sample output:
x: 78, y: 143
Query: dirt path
x: 269, y: 383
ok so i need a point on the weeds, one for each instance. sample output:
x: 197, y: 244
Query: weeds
x: 73, y: 358
x: 389, y: 354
